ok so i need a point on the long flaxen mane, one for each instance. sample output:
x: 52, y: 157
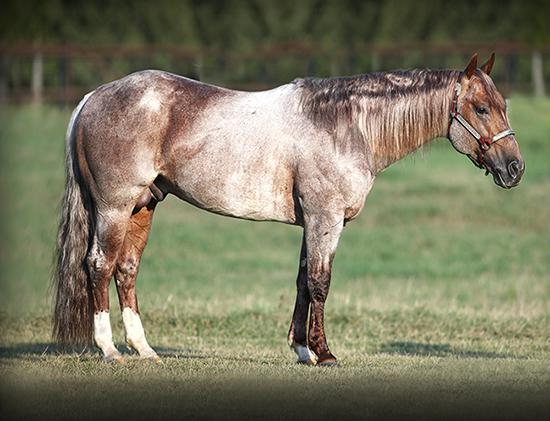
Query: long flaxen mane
x: 391, y: 113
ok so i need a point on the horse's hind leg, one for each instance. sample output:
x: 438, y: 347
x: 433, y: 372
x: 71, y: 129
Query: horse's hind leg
x: 126, y: 273
x: 101, y: 260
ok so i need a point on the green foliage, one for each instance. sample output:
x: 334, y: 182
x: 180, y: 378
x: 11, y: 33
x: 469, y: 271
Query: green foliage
x: 19, y: 24
x: 537, y: 31
x: 241, y: 25
x: 440, y: 21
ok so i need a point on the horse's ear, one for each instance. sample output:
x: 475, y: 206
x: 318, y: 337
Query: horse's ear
x: 487, y: 67
x: 470, y: 70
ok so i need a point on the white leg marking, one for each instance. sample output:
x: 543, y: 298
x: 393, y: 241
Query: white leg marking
x: 305, y: 356
x: 135, y: 335
x: 103, y: 337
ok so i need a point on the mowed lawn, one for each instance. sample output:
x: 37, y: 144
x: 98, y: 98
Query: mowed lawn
x: 439, y: 304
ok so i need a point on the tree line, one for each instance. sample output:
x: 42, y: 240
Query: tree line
x: 244, y: 25
x: 61, y: 48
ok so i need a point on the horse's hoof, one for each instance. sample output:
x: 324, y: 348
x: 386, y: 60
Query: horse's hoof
x: 117, y: 359
x: 330, y: 363
x: 152, y: 358
x: 307, y: 362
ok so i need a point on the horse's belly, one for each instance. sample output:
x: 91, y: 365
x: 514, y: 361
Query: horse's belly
x: 264, y: 197
x: 238, y: 159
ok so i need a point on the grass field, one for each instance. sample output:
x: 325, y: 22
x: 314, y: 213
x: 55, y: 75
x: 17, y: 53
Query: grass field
x: 439, y: 305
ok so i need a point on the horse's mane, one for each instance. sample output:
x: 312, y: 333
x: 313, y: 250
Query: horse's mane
x: 391, y: 113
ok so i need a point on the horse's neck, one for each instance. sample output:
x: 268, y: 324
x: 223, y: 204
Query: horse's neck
x: 399, y: 124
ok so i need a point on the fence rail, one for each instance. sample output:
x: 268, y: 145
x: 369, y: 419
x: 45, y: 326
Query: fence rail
x: 64, y: 73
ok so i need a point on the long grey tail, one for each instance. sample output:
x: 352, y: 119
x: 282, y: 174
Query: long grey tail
x: 73, y: 314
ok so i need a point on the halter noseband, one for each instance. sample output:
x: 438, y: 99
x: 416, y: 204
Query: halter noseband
x: 484, y: 142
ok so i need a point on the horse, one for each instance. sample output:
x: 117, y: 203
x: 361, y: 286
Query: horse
x: 306, y: 154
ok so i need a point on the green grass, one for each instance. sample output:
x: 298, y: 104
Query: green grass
x: 440, y: 300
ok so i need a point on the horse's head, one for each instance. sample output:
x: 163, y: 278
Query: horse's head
x: 479, y: 127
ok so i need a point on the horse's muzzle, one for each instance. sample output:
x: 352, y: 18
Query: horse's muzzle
x: 508, y: 175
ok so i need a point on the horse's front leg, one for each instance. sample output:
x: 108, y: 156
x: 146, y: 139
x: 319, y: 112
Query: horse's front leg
x: 297, y: 335
x: 321, y: 235
x: 322, y: 240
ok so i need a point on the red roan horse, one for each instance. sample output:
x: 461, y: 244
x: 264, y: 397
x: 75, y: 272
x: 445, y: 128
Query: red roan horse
x: 306, y: 154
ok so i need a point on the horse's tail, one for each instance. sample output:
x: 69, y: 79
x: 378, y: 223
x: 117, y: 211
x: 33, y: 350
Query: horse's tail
x: 73, y: 314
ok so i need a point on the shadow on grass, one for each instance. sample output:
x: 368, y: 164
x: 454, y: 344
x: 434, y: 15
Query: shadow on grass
x: 40, y: 350
x: 436, y: 350
x: 36, y: 351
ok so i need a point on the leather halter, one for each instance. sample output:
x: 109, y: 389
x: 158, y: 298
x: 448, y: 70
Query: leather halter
x: 484, y: 142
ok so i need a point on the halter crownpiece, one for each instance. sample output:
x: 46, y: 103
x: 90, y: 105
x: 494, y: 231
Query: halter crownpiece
x: 484, y: 142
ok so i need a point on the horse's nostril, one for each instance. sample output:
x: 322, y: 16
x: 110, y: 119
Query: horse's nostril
x: 513, y: 169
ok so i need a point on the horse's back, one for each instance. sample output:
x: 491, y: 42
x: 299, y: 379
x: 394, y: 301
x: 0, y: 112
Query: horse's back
x: 144, y: 103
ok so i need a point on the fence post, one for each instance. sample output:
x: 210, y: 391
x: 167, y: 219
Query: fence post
x: 4, y: 81
x: 537, y: 73
x: 37, y: 78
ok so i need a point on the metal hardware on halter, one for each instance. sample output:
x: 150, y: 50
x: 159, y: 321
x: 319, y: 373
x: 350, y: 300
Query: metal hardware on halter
x: 484, y: 142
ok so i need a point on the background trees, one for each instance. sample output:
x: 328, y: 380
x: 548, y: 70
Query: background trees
x: 236, y: 42
x: 242, y: 24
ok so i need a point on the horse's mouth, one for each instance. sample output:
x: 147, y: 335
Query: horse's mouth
x: 506, y: 177
x: 498, y: 179
x: 506, y: 181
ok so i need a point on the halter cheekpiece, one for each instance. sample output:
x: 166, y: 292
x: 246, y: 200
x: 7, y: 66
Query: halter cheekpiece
x: 484, y: 142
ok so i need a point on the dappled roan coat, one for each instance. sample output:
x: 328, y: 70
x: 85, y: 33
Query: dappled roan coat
x: 306, y: 153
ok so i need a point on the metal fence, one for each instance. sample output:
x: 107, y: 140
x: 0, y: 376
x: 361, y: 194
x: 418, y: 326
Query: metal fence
x: 64, y: 73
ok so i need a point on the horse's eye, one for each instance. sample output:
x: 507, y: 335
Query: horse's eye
x: 482, y: 110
